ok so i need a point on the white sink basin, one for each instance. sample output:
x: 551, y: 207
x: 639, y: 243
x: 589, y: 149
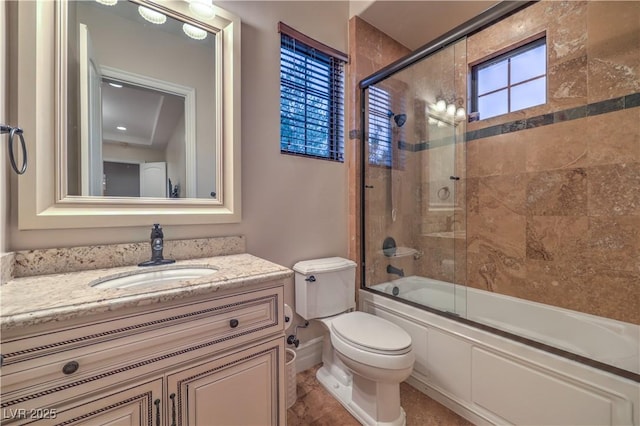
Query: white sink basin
x: 153, y: 278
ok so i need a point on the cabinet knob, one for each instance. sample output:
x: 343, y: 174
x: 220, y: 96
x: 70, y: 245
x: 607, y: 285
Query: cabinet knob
x: 234, y: 323
x: 70, y: 367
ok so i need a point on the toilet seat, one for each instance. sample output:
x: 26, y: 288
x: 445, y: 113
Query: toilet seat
x: 371, y: 340
x: 371, y: 333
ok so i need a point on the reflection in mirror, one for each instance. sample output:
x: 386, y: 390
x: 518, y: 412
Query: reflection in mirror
x: 135, y: 125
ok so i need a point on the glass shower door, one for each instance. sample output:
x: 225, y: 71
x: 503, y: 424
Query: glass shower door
x: 414, y: 196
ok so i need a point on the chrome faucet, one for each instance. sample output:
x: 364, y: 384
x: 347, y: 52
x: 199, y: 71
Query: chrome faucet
x: 157, y: 245
x: 393, y: 270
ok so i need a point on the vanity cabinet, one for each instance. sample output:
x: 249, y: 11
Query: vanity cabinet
x: 215, y: 361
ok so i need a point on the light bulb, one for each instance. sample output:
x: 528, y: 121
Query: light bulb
x: 194, y: 32
x: 202, y: 8
x: 460, y: 113
x: 441, y: 105
x: 451, y: 110
x: 151, y: 15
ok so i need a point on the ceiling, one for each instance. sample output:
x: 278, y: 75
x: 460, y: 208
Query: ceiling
x: 415, y: 23
x: 149, y: 116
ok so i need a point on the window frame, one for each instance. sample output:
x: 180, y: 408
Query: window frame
x: 506, y: 57
x: 335, y: 62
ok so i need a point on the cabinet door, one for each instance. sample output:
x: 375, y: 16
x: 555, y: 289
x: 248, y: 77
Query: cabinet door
x: 244, y: 388
x: 136, y: 405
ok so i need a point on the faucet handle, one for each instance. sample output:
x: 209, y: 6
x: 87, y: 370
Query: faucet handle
x: 156, y: 231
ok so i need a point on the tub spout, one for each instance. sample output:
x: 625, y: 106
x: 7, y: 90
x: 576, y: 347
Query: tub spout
x: 393, y: 270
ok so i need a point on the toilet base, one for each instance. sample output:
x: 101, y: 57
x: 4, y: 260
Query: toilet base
x: 343, y: 393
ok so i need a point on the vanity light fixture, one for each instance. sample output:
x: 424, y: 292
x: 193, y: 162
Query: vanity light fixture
x: 108, y: 2
x: 202, y: 8
x: 122, y: 128
x: 194, y: 32
x: 151, y: 15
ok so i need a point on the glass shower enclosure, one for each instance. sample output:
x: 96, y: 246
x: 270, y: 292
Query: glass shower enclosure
x: 413, y: 179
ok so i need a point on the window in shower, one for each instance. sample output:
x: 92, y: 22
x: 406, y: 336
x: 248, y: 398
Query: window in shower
x: 512, y: 81
x: 311, y: 97
x: 379, y: 127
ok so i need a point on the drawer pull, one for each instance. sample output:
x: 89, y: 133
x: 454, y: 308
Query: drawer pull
x: 173, y: 409
x: 70, y: 367
x: 157, y: 404
x: 234, y: 323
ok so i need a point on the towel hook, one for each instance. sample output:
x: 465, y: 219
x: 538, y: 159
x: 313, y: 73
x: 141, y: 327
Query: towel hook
x: 13, y: 131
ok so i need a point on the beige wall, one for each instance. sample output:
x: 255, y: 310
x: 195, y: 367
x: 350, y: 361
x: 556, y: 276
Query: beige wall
x: 293, y: 208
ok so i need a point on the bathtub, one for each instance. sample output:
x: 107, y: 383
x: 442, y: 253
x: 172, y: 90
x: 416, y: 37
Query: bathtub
x: 501, y: 360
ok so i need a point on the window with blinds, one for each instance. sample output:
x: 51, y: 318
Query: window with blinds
x: 311, y: 98
x: 379, y: 127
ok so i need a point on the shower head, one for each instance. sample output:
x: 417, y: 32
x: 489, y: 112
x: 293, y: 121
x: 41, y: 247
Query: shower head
x: 400, y: 119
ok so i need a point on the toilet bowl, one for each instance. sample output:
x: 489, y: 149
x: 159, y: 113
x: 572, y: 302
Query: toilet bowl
x: 364, y: 360
x: 364, y: 357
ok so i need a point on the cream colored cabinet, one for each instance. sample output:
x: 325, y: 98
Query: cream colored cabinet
x: 195, y: 362
x: 240, y: 389
x: 136, y: 405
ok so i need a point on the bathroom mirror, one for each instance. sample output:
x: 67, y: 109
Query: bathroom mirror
x: 146, y: 118
x: 145, y: 103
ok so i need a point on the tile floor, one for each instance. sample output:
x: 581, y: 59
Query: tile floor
x: 315, y: 406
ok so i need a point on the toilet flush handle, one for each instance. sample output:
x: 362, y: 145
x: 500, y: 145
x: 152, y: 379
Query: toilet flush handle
x: 311, y: 279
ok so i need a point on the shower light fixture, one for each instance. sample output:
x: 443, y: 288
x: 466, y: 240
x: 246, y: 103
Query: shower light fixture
x: 451, y: 110
x: 202, y: 8
x: 152, y: 16
x: 194, y: 32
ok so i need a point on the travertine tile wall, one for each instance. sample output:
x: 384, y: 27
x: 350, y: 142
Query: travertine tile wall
x: 369, y: 50
x: 554, y: 211
x: 552, y: 206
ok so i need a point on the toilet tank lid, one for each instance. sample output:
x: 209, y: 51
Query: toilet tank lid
x: 328, y: 264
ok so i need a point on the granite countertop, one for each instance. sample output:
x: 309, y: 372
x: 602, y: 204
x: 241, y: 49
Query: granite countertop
x: 57, y: 297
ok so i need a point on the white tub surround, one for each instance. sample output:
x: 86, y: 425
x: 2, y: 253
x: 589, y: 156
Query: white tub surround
x: 488, y: 378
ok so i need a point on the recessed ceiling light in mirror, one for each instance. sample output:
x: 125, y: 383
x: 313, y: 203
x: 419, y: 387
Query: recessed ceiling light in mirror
x: 194, y: 32
x: 151, y: 15
x: 116, y: 85
x: 108, y: 2
x: 122, y: 128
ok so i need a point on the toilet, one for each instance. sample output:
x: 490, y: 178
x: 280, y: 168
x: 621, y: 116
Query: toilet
x: 364, y: 357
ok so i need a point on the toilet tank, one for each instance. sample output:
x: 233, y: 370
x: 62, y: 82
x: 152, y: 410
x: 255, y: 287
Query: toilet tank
x: 324, y: 287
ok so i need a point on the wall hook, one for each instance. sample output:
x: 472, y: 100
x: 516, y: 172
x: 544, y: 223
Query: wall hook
x: 13, y: 131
